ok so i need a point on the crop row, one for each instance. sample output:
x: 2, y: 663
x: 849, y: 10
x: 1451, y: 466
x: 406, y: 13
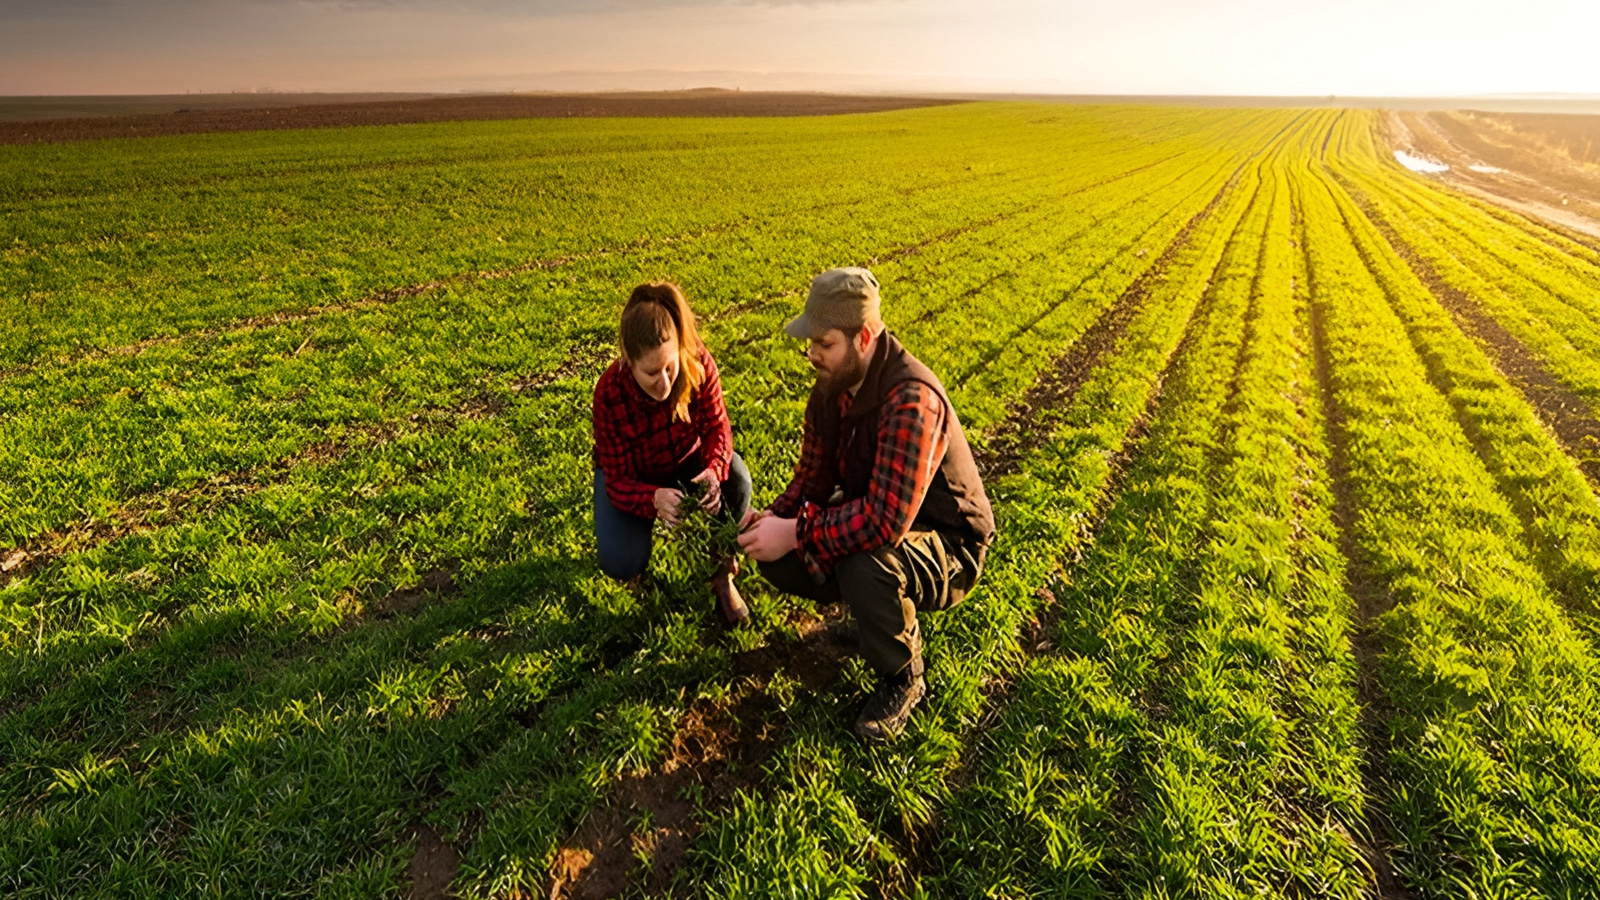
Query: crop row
x: 989, y: 256
x: 1486, y: 693
x: 1556, y: 506
x: 301, y: 588
x: 1191, y: 730
x: 1450, y: 235
x: 838, y: 846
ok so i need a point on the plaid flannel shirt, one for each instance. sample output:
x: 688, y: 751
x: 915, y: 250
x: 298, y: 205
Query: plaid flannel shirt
x: 911, y: 446
x: 639, y: 445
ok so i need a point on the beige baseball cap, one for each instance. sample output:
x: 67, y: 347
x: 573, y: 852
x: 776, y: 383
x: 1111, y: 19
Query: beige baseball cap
x: 839, y: 298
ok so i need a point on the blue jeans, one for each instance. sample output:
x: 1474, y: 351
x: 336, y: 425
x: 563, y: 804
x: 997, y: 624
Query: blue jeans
x: 624, y: 538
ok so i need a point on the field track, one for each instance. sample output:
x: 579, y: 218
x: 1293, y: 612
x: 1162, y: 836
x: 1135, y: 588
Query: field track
x: 1294, y: 453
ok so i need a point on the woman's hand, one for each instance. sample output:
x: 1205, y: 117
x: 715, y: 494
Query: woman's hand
x: 711, y: 500
x: 667, y: 500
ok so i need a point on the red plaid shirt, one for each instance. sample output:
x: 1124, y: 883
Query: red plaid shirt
x: 911, y: 445
x: 640, y: 447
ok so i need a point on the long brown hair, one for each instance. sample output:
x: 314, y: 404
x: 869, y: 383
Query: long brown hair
x: 655, y: 311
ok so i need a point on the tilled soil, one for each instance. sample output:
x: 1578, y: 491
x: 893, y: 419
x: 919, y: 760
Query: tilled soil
x: 708, y: 103
x: 1535, y: 178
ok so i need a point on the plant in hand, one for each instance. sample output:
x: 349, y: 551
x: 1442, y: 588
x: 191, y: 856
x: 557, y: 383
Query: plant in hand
x: 691, y: 552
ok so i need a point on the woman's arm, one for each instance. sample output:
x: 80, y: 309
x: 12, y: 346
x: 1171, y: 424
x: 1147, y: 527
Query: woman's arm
x: 710, y: 415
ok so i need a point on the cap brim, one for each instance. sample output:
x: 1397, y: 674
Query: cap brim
x: 800, y: 327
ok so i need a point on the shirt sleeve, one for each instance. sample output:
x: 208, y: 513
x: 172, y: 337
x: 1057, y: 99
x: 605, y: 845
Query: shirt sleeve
x: 911, y: 444
x: 710, y: 415
x: 808, y: 477
x: 623, y: 488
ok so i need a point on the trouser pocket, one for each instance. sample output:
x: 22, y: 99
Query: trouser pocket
x: 939, y: 571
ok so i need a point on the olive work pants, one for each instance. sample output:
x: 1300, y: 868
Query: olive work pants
x: 885, y: 588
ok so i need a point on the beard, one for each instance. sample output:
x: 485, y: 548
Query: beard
x: 845, y: 377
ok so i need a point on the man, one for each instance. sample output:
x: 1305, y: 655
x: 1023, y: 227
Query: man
x: 886, y: 509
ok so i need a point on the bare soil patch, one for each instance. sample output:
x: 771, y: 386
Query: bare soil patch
x: 100, y: 106
x: 640, y: 836
x: 406, y: 602
x: 433, y: 867
x: 673, y: 104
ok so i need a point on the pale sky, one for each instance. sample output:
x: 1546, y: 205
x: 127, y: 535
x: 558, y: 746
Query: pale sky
x: 1295, y: 47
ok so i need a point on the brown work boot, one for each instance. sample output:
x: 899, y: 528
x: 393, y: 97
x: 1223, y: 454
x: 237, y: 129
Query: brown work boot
x: 888, y: 709
x: 729, y: 603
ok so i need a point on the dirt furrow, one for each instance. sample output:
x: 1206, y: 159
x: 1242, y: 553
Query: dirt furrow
x: 1058, y: 384
x: 639, y: 837
x: 1000, y: 345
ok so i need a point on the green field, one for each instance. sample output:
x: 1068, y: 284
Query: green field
x: 1295, y: 593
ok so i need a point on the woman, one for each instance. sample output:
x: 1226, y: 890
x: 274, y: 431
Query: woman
x: 659, y: 426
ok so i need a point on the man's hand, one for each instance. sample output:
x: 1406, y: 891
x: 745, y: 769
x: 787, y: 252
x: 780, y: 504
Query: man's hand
x: 768, y: 537
x: 667, y: 500
x: 711, y: 500
x: 752, y: 517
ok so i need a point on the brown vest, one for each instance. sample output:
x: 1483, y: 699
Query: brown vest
x: 955, y: 503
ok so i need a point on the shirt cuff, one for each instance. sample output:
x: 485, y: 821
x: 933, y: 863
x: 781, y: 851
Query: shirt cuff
x: 805, y: 545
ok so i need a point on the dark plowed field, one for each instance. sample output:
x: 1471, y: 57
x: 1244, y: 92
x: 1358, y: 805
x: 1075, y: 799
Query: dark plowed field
x: 450, y: 109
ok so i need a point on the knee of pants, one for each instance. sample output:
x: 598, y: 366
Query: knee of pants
x: 623, y: 540
x: 623, y: 564
x: 736, y: 489
x: 870, y: 578
x: 788, y: 575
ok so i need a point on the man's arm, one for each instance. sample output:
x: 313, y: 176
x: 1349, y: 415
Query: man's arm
x: 809, y: 477
x: 911, y: 443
